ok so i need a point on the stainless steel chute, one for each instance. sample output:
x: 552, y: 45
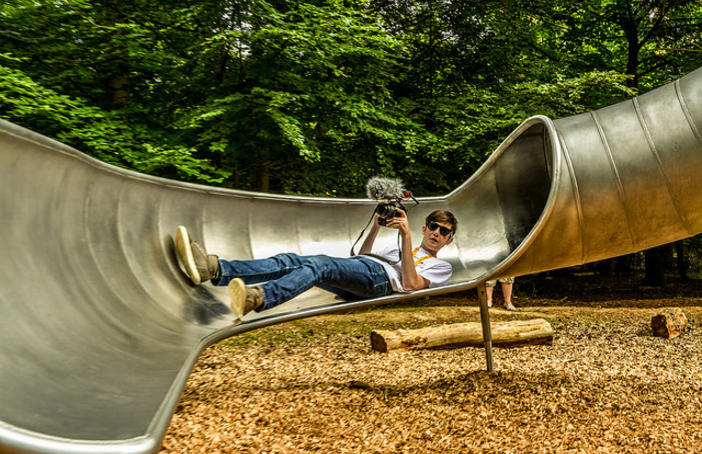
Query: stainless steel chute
x: 99, y: 328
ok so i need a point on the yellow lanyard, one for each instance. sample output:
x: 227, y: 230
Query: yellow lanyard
x: 416, y: 262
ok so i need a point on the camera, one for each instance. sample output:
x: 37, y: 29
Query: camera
x: 389, y: 193
x: 389, y: 210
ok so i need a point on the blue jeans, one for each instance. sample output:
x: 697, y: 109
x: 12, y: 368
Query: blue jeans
x: 288, y: 275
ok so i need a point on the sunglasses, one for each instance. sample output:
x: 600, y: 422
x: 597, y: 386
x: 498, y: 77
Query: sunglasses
x: 444, y: 231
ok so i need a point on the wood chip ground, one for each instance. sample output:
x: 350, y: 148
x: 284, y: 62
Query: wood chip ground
x: 605, y: 385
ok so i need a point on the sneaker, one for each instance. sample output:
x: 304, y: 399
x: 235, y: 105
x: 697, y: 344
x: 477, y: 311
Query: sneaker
x: 199, y: 266
x: 510, y: 307
x: 244, y: 299
x: 489, y: 303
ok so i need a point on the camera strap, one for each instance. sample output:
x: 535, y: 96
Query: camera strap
x: 361, y: 235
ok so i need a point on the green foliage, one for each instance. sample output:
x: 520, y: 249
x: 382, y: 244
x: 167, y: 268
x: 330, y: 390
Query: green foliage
x: 313, y: 87
x: 469, y: 126
x: 102, y: 134
x: 649, y: 40
x: 315, y: 97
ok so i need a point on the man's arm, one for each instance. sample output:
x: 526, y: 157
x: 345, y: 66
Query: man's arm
x: 411, y: 280
x: 367, y: 245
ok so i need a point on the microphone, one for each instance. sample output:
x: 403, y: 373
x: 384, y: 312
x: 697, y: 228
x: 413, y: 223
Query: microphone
x: 382, y: 188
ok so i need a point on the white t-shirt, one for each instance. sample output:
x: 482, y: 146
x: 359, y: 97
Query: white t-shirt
x: 436, y: 271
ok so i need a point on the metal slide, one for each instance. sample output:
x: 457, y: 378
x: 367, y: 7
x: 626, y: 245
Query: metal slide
x: 99, y: 328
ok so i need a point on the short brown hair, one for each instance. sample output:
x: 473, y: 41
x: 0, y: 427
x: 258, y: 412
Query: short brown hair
x: 443, y: 216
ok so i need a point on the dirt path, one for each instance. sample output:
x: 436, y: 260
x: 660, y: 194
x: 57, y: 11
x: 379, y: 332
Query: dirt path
x: 605, y: 385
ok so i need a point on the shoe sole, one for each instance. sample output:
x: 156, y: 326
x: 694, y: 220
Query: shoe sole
x: 185, y: 253
x: 237, y: 296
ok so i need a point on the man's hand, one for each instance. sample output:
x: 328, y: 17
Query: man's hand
x: 399, y: 222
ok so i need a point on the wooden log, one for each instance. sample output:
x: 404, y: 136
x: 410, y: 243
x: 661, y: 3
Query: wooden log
x: 512, y: 333
x: 669, y: 323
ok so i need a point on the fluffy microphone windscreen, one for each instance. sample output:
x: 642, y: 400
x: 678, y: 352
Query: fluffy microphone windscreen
x: 382, y: 188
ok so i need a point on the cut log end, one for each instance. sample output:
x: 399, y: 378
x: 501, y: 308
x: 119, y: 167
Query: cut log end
x: 378, y: 342
x: 669, y: 323
x: 505, y: 334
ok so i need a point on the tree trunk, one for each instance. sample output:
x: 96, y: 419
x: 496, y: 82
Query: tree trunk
x: 118, y: 82
x: 631, y: 32
x: 264, y: 182
x: 512, y: 333
x: 604, y: 267
x: 223, y: 58
x: 656, y: 259
x: 623, y: 265
x: 681, y: 259
x: 117, y: 86
x: 264, y: 172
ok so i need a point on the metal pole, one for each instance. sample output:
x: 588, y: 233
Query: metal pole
x: 485, y: 320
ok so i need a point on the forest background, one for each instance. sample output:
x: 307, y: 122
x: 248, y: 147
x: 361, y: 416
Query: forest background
x: 315, y: 97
